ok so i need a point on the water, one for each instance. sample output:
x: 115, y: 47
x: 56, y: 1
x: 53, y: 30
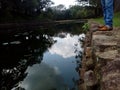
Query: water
x: 41, y: 59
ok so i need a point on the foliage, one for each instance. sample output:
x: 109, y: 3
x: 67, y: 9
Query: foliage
x: 85, y: 27
x: 95, y: 4
x: 22, y: 8
x: 15, y: 10
x: 116, y: 19
x: 79, y: 12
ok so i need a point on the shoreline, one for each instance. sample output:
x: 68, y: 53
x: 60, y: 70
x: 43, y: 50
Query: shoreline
x: 101, y: 60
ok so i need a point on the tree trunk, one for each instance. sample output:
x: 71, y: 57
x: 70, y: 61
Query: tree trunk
x: 116, y: 5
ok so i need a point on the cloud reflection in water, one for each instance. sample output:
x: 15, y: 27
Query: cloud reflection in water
x: 42, y: 77
x: 55, y: 72
x: 66, y: 47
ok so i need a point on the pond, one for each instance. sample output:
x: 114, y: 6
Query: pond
x: 41, y: 58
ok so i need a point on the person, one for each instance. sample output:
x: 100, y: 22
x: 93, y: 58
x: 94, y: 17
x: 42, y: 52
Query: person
x: 107, y: 7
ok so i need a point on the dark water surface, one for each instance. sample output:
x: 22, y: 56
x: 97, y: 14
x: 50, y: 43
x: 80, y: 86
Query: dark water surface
x: 45, y: 58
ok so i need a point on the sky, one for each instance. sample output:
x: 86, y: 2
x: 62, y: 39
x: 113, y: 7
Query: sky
x: 65, y: 2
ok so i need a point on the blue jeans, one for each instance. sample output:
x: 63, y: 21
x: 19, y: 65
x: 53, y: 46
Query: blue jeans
x: 107, y: 6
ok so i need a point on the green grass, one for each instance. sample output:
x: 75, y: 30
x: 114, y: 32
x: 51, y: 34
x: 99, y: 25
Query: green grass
x: 116, y: 20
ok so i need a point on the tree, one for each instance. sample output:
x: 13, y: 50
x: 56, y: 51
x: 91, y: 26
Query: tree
x: 60, y: 7
x: 15, y: 8
x: 59, y: 12
x: 95, y: 5
x: 83, y: 2
x: 74, y: 10
x: 117, y: 5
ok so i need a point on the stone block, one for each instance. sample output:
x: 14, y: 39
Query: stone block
x: 108, y: 55
x: 111, y: 76
x: 88, y: 52
x: 90, y: 78
x: 89, y: 64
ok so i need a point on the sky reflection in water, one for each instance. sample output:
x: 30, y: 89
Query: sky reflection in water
x: 57, y: 69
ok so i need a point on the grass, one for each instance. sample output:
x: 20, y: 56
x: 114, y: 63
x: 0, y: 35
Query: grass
x: 116, y: 20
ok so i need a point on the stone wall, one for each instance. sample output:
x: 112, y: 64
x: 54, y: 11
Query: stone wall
x: 101, y: 60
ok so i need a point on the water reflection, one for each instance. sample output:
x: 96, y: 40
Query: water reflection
x: 42, y: 77
x: 68, y: 46
x: 62, y: 56
x: 39, y: 60
x: 16, y: 57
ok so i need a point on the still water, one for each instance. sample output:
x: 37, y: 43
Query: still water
x: 41, y: 59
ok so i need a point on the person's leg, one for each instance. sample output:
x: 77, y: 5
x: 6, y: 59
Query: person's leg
x: 108, y: 12
x: 107, y: 6
x: 103, y: 8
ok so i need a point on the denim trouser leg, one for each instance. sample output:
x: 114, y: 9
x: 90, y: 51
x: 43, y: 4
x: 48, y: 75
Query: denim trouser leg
x: 107, y: 6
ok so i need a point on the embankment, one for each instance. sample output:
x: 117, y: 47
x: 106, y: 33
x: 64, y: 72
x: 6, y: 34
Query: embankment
x: 101, y: 60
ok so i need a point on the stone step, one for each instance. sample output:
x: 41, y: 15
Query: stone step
x: 102, y: 43
x: 108, y: 33
x: 105, y: 46
x: 108, y: 55
x: 103, y: 38
x: 111, y: 75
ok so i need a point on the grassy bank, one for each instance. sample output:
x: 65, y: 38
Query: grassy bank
x: 116, y: 20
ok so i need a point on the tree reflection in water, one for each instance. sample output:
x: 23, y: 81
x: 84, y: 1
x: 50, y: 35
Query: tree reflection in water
x: 17, y: 52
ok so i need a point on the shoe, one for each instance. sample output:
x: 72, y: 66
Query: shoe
x: 105, y: 28
x: 101, y: 26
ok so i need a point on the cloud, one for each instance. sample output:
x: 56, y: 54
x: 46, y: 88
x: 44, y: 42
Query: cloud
x: 67, y: 46
x: 42, y: 77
